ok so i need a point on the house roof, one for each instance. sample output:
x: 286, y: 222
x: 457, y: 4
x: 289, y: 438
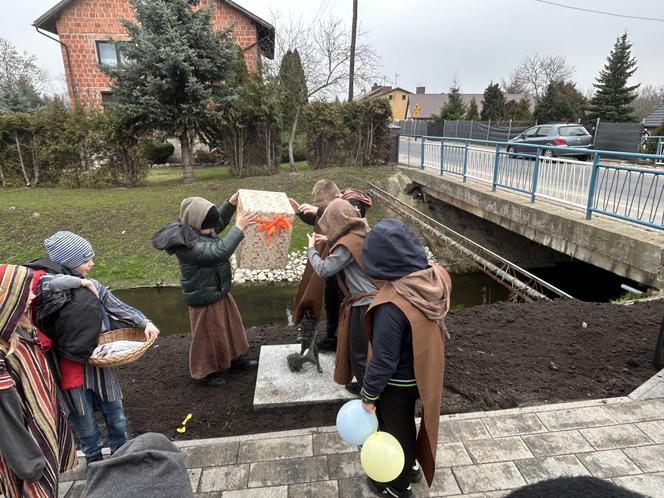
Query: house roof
x: 379, y: 92
x: 265, y: 31
x: 430, y: 103
x: 655, y: 119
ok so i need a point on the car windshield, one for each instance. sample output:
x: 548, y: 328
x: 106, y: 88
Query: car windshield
x: 573, y: 131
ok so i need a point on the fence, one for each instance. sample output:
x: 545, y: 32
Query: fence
x: 599, y: 186
x: 620, y: 137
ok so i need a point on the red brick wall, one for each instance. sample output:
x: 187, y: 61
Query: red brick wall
x: 84, y: 22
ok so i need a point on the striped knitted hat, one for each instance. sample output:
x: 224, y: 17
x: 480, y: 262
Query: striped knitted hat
x: 14, y: 290
x: 68, y: 249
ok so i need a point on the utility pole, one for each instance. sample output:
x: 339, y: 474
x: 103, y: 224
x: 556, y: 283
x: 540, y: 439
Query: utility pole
x: 351, y: 72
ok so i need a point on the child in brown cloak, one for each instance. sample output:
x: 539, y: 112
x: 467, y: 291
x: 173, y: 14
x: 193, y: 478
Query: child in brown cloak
x: 344, y: 231
x: 405, y: 324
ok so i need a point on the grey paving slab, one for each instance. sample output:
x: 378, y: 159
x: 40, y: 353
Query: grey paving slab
x: 557, y: 443
x: 610, y: 463
x: 651, y: 485
x: 354, y: 488
x: 344, y: 465
x: 294, y: 471
x: 654, y: 430
x: 642, y: 391
x: 648, y: 458
x: 444, y: 484
x: 276, y: 385
x: 616, y: 436
x: 539, y: 469
x: 488, y: 477
x: 638, y: 411
x: 224, y: 478
x: 211, y: 455
x: 462, y: 430
x: 75, y: 474
x: 497, y: 450
x: 215, y: 494
x: 330, y: 443
x: 194, y: 478
x: 577, y: 418
x: 77, y: 490
x: 275, y: 449
x: 271, y: 492
x: 63, y: 488
x: 321, y: 489
x: 452, y: 455
x: 657, y: 392
x: 513, y: 425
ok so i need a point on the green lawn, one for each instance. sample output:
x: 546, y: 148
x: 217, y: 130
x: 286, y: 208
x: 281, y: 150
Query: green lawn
x: 120, y: 222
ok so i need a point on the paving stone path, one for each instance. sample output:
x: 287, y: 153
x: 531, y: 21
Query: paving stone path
x: 482, y: 454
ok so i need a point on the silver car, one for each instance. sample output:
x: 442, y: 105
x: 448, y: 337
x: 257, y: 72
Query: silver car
x: 559, y: 135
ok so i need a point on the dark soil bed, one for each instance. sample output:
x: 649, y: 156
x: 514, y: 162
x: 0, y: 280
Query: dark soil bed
x: 499, y: 356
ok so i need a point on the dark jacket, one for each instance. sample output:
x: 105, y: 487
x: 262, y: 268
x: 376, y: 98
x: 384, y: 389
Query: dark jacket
x: 395, y: 255
x: 71, y: 320
x: 205, y: 271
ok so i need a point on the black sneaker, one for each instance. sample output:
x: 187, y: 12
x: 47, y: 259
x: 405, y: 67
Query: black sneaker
x: 353, y: 388
x: 212, y: 380
x: 241, y: 364
x: 416, y: 473
x: 327, y: 344
x: 380, y: 489
x: 94, y: 458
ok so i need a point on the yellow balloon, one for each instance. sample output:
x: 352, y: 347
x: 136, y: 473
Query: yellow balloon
x: 382, y: 457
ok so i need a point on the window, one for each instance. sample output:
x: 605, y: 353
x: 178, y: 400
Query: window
x: 107, y: 55
x: 107, y: 99
x: 573, y: 131
x: 389, y: 97
x: 544, y: 131
x: 531, y: 132
x: 403, y: 97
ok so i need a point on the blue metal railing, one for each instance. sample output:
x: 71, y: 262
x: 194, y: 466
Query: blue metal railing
x: 602, y: 185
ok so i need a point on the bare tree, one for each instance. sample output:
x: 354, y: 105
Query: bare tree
x: 534, y: 74
x: 324, y: 51
x: 650, y: 96
x: 16, y: 67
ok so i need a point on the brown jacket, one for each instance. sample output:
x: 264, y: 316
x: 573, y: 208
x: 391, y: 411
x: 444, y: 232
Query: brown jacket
x: 429, y: 363
x: 310, y: 291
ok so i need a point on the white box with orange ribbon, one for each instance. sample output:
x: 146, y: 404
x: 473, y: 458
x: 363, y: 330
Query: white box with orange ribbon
x: 265, y: 245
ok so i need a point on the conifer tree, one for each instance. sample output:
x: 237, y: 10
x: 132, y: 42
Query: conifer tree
x: 612, y: 93
x: 493, y: 103
x: 455, y: 108
x: 473, y: 112
x: 175, y: 70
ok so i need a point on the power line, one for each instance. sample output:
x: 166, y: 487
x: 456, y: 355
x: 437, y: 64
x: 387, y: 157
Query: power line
x: 601, y: 11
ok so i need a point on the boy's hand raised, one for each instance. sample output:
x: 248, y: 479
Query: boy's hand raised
x: 233, y: 199
x: 245, y: 219
x: 308, y: 209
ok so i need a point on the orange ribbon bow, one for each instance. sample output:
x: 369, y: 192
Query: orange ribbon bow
x: 273, y: 227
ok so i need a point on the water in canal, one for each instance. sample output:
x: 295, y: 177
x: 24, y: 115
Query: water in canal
x: 272, y: 304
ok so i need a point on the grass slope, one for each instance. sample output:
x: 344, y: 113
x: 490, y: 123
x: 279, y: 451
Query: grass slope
x: 120, y: 222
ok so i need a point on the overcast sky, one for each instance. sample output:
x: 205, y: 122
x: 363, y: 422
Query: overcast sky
x: 428, y: 42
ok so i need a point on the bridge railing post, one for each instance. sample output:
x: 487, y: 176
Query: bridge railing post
x: 408, y: 159
x: 422, y: 154
x: 465, y: 161
x: 442, y: 156
x: 496, y: 164
x: 533, y: 184
x: 591, y: 187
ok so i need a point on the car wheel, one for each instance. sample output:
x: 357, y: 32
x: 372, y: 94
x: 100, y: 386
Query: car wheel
x: 510, y: 149
x: 584, y: 157
x: 548, y: 153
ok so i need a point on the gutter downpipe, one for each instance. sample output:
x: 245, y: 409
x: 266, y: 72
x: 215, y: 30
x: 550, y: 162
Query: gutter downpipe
x: 71, y: 74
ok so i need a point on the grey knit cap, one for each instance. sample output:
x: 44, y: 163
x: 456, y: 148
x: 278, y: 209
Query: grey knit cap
x: 68, y: 249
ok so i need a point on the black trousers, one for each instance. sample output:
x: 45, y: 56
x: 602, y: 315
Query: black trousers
x: 396, y: 415
x: 332, y: 305
x: 359, y: 342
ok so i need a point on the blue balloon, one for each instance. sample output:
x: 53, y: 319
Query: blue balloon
x: 355, y: 424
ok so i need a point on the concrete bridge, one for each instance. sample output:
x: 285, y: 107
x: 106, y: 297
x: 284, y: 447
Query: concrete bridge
x: 626, y: 249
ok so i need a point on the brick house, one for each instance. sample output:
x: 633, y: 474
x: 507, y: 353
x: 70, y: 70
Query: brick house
x: 87, y: 30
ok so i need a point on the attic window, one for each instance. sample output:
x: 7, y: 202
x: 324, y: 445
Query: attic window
x: 390, y: 97
x: 403, y: 97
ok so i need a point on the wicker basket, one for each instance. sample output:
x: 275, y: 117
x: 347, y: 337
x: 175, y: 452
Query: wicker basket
x: 128, y: 334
